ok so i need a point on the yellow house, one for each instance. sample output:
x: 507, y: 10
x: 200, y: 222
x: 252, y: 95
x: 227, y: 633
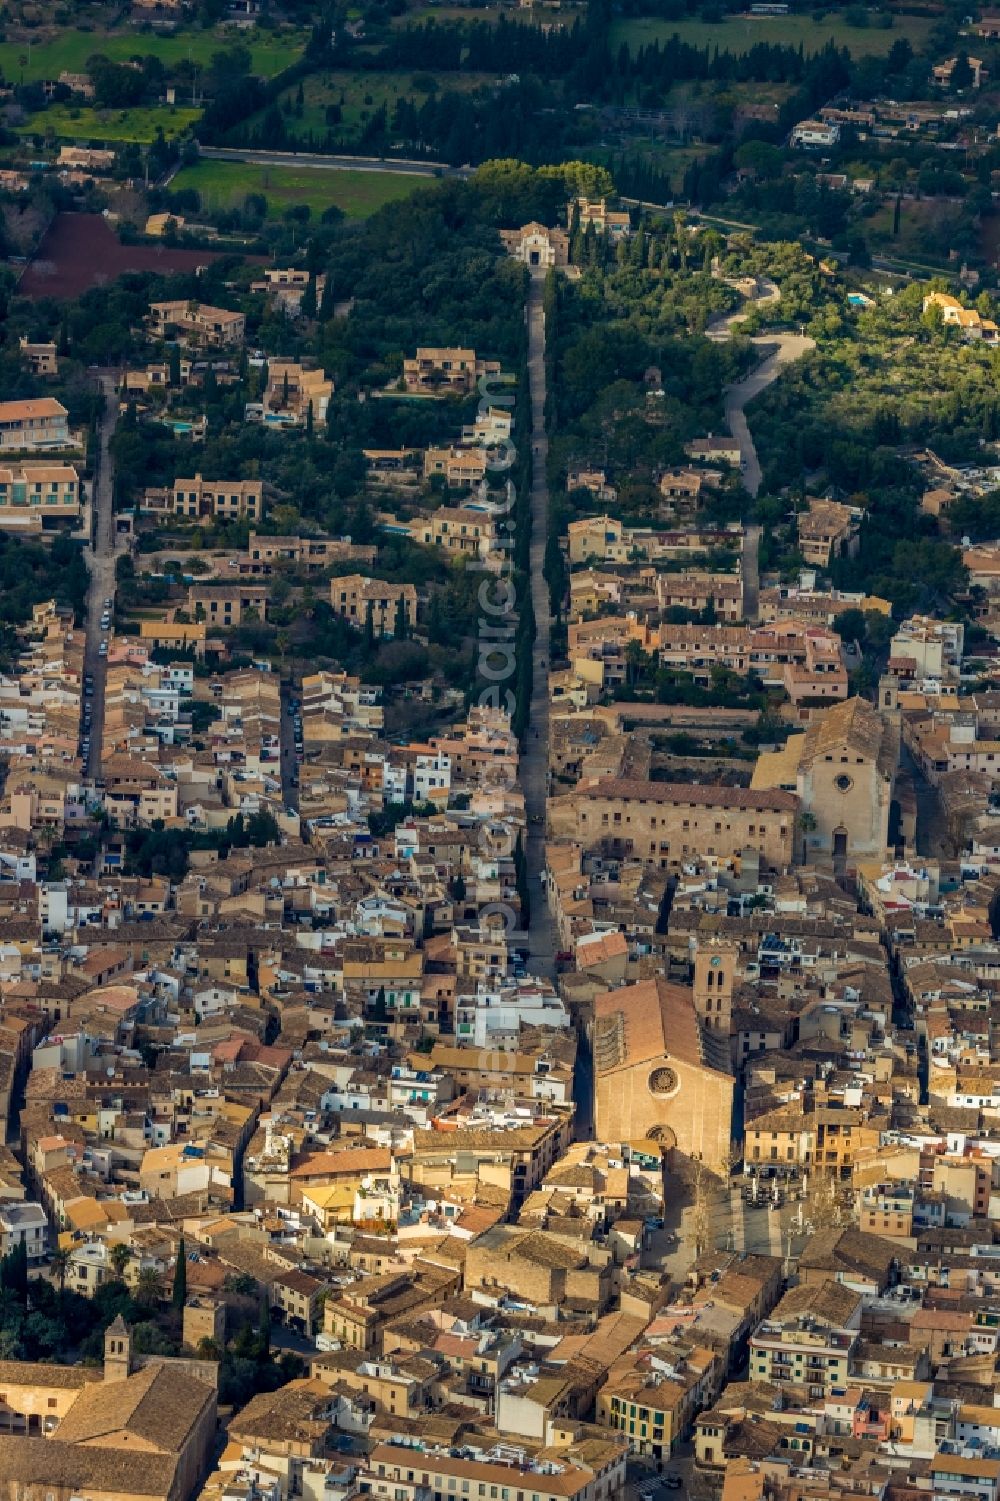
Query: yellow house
x: 330, y: 1204
x: 171, y: 635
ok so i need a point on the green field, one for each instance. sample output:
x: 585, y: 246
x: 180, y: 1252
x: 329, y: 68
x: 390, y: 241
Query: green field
x: 224, y: 185
x: 739, y: 33
x: 70, y: 123
x: 359, y: 95
x: 69, y: 51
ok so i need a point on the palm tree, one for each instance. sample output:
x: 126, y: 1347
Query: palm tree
x: 120, y: 1255
x: 149, y: 1286
x: 60, y: 1265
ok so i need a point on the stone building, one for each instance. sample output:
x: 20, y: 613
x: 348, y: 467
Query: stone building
x: 146, y: 1430
x: 663, y: 823
x: 659, y: 1074
x: 204, y: 1318
x: 843, y: 770
x: 535, y: 245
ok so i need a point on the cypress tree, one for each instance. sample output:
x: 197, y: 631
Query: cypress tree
x: 178, y: 1296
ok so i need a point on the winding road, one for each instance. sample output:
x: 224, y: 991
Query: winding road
x: 777, y: 350
x: 783, y: 350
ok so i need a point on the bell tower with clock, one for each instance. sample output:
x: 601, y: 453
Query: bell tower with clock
x: 714, y: 981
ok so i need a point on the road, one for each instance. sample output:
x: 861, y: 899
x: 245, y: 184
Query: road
x: 330, y: 163
x: 101, y: 558
x: 751, y: 573
x: 781, y: 349
x: 790, y: 347
x: 543, y: 939
x: 722, y: 325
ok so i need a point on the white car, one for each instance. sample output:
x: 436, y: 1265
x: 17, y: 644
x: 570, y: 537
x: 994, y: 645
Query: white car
x: 102, y: 650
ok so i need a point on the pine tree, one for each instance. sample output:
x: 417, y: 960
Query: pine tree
x: 178, y: 1296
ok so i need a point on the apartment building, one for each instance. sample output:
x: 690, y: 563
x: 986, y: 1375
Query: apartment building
x: 196, y: 323
x: 36, y: 496
x: 828, y: 530
x: 225, y: 500
x: 653, y: 1399
x: 887, y: 1209
x: 696, y: 591
x: 396, y: 1473
x: 446, y: 372
x: 462, y: 468
x: 39, y: 358
x: 359, y: 599
x: 292, y: 393
x: 804, y: 660
x: 459, y: 530
x: 605, y: 540
x: 227, y: 605
x: 830, y: 1140
x: 173, y: 635
x: 809, y: 1340
x: 39, y: 423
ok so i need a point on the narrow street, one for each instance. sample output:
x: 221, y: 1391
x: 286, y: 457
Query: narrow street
x: 543, y: 939
x: 751, y: 573
x: 289, y: 760
x: 101, y: 559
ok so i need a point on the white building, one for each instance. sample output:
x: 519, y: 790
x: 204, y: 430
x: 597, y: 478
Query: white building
x: 24, y: 1224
